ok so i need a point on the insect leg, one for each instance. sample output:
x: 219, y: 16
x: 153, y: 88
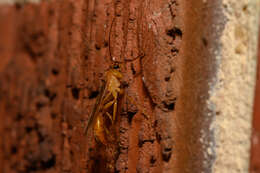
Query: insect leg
x: 107, y: 97
x: 139, y: 56
x: 115, y: 93
x: 109, y: 104
x: 115, y: 110
x: 110, y: 117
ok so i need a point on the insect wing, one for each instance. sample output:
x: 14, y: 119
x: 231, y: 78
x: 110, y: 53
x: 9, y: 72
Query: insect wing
x: 96, y: 109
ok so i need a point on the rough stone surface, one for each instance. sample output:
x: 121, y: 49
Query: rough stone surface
x: 232, y: 91
x: 54, y: 55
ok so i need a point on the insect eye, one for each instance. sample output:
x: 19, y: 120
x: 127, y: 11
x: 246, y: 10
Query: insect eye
x: 116, y: 66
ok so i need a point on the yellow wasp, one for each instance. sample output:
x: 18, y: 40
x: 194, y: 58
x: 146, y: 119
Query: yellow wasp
x: 106, y: 102
x: 104, y: 112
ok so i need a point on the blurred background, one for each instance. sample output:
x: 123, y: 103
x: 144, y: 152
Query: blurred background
x: 195, y: 88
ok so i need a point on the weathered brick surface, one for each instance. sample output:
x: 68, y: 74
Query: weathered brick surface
x: 53, y: 57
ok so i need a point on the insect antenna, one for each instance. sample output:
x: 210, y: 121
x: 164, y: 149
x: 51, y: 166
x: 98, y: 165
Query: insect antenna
x: 109, y: 39
x: 118, y: 63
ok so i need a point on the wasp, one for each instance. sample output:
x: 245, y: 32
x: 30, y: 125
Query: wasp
x: 107, y: 100
x: 105, y: 111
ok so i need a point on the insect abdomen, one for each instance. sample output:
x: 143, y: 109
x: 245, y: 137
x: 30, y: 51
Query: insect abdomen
x: 99, y: 130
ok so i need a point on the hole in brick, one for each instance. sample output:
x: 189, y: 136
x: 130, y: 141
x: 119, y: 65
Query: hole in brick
x: 13, y: 150
x: 53, y: 115
x: 47, y: 93
x: 158, y: 137
x: 40, y: 137
x: 205, y: 42
x: 152, y: 159
x: 93, y: 94
x: 97, y: 47
x: 53, y: 96
x: 172, y: 70
x: 55, y: 72
x: 71, y: 153
x: 28, y: 129
x: 48, y: 163
x: 133, y: 69
x: 70, y: 126
x: 51, y: 12
x: 140, y: 143
x: 105, y: 44
x: 170, y: 106
x: 50, y: 95
x: 125, y: 84
x: 174, y: 50
x: 167, y: 149
x: 19, y: 117
x: 155, y: 123
x: 130, y: 116
x: 174, y: 32
x: 167, y: 79
x: 166, y: 154
x: 39, y: 105
x: 75, y: 93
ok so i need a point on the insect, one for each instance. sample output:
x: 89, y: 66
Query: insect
x: 107, y: 101
x: 105, y: 111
